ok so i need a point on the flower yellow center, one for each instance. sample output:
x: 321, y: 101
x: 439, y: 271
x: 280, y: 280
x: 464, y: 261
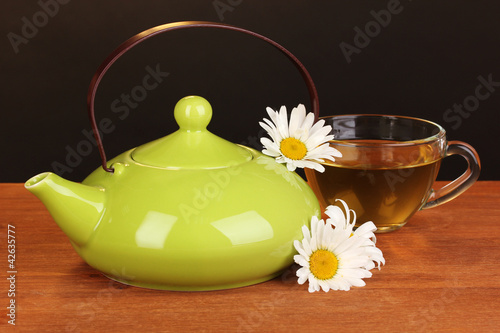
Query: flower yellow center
x: 323, y: 264
x: 293, y: 148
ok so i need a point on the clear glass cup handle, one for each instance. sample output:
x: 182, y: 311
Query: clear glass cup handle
x: 458, y: 186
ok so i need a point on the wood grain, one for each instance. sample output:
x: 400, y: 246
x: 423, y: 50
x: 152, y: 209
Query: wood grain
x: 441, y: 275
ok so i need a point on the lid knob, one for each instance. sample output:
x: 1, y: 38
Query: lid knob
x: 192, y: 146
x: 193, y: 113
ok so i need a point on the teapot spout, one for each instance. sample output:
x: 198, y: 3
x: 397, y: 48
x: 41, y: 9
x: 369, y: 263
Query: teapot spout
x: 75, y: 207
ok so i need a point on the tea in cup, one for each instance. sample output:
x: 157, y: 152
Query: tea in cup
x: 388, y: 168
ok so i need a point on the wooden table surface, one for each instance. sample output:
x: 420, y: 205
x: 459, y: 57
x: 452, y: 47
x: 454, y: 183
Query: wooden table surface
x: 442, y: 273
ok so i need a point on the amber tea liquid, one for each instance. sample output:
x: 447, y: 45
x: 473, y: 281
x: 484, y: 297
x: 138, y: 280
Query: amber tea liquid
x: 386, y: 188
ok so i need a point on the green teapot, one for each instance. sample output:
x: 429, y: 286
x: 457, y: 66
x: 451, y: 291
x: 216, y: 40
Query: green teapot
x: 189, y: 211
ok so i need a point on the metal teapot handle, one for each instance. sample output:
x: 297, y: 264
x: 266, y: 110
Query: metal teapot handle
x: 127, y: 45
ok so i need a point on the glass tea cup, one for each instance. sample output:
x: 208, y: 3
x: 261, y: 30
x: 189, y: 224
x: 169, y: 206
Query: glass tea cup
x: 388, y: 167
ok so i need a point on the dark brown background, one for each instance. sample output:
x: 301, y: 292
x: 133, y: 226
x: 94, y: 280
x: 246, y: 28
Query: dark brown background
x: 426, y: 59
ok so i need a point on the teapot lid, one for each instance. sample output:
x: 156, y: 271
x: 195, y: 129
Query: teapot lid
x: 192, y: 146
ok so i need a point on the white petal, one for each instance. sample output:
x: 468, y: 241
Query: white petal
x: 347, y: 210
x: 302, y: 276
x: 310, y: 165
x: 354, y: 252
x: 319, y: 234
x: 306, y: 233
x: 299, y: 259
x: 334, y: 285
x: 303, y: 271
x: 318, y: 138
x: 296, y: 120
x: 317, y: 126
x: 318, y: 135
x: 356, y: 262
x: 327, y: 235
x: 345, y: 244
x: 273, y: 115
x: 314, y: 224
x: 358, y: 273
x: 318, y: 167
x: 306, y: 245
x: 324, y: 285
x: 300, y: 249
x: 375, y: 254
x: 290, y: 166
x: 342, y: 283
x: 335, y: 213
x: 269, y: 123
x: 366, y: 228
x: 280, y: 159
x: 270, y: 146
x: 308, y: 121
x: 272, y: 132
x: 357, y: 282
x: 323, y: 151
x: 335, y: 152
x: 282, y: 123
x: 315, y: 283
x: 271, y: 152
x: 369, y: 266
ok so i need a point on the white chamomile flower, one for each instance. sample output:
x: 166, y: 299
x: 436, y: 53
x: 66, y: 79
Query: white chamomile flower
x: 334, y: 257
x: 300, y: 143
